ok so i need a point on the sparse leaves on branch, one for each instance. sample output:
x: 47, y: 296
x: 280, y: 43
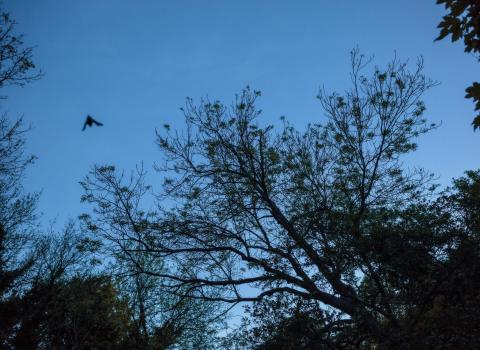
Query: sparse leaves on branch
x: 17, y: 67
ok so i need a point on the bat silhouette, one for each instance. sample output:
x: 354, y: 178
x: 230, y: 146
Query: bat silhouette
x: 90, y: 121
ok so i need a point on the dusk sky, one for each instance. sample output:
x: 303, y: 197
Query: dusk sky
x: 131, y: 64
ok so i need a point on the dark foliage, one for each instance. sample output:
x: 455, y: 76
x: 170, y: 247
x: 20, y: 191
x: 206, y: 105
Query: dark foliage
x: 429, y: 256
x: 463, y: 22
x: 80, y: 313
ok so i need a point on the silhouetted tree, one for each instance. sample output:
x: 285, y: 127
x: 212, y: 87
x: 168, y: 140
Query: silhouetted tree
x: 17, y: 209
x: 17, y: 223
x: 443, y: 294
x: 462, y: 22
x: 17, y: 67
x: 56, y: 258
x: 76, y: 313
x: 427, y: 254
x: 285, y: 322
x: 162, y: 315
x: 287, y: 212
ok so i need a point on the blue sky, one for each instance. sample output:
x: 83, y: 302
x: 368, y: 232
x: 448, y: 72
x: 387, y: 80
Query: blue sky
x: 132, y: 63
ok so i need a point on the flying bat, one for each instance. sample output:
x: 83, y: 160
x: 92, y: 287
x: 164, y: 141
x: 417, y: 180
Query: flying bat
x: 90, y: 121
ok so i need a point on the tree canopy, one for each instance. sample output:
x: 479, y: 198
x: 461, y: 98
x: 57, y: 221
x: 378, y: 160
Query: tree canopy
x: 328, y: 219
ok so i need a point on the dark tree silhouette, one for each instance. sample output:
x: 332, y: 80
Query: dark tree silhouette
x: 284, y: 212
x: 17, y: 208
x: 429, y: 253
x: 73, y: 313
x: 17, y: 67
x: 18, y: 250
x: 159, y: 317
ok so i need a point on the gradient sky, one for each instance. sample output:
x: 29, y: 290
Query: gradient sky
x: 132, y: 63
